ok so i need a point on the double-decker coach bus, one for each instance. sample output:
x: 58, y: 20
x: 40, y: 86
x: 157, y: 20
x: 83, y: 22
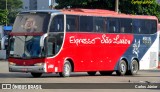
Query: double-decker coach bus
x: 82, y: 40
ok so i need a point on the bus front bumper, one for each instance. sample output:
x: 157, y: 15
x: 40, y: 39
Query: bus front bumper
x: 37, y: 69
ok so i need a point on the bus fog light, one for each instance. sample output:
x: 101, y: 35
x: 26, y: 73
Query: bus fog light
x: 12, y: 64
x: 39, y: 64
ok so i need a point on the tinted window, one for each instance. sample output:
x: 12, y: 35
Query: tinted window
x: 113, y: 25
x: 144, y: 26
x: 153, y: 24
x: 125, y: 25
x: 86, y: 23
x: 71, y: 23
x: 98, y: 24
x: 137, y: 26
x: 57, y: 24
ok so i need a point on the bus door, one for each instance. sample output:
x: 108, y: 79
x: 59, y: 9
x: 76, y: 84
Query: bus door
x: 56, y: 35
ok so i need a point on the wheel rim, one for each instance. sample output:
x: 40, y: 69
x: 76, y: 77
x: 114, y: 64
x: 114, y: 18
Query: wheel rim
x: 67, y: 69
x: 123, y: 68
x: 134, y: 67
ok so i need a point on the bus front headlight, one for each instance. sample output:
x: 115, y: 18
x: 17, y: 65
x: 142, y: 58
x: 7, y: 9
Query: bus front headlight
x: 12, y: 64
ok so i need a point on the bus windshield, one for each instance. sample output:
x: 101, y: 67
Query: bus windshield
x: 31, y: 23
x: 25, y: 47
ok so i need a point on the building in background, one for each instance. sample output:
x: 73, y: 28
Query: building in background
x: 37, y: 4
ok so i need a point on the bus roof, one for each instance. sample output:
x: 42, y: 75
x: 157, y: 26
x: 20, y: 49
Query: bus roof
x: 93, y: 12
x: 104, y: 13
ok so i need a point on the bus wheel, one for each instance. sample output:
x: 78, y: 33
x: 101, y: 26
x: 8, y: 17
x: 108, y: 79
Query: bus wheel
x: 66, y: 69
x: 36, y: 75
x: 103, y: 73
x: 122, y: 68
x: 134, y: 67
x: 91, y: 73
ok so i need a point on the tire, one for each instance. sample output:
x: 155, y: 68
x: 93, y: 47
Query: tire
x: 36, y: 75
x: 91, y: 73
x: 103, y: 73
x: 122, y: 68
x: 66, y: 69
x: 134, y: 67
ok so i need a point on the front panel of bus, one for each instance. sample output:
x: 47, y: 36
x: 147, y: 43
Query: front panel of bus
x: 25, y: 52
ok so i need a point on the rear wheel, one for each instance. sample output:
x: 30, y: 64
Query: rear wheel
x: 36, y: 75
x: 66, y: 69
x: 103, y: 73
x: 122, y: 68
x: 91, y: 73
x: 134, y: 67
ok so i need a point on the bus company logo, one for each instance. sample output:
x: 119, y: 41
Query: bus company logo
x: 147, y: 40
x: 142, y: 2
x: 6, y: 86
x: 103, y: 40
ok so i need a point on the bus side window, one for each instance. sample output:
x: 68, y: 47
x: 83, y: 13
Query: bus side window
x: 136, y: 26
x: 86, y: 23
x: 57, y: 24
x: 153, y: 26
x: 105, y: 25
x: 113, y: 25
x: 144, y: 29
x: 147, y: 27
x: 139, y: 26
x: 71, y: 23
x: 122, y: 30
x: 98, y: 24
x: 113, y: 29
x: 125, y: 25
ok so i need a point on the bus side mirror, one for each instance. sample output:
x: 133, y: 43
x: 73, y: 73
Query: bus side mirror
x: 4, y: 41
x: 42, y: 39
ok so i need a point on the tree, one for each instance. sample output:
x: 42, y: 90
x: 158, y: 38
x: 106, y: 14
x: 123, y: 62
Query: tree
x: 3, y: 17
x: 136, y: 7
x: 92, y: 4
x: 143, y: 7
x: 13, y: 7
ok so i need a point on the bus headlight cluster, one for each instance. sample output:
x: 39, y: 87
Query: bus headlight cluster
x: 12, y: 64
x: 39, y: 64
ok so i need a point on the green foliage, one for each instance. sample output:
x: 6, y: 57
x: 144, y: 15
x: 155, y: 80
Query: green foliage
x: 13, y: 7
x: 135, y: 7
x: 92, y: 4
x: 3, y: 17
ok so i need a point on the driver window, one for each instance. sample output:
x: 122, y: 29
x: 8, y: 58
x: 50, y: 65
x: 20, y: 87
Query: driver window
x: 57, y: 24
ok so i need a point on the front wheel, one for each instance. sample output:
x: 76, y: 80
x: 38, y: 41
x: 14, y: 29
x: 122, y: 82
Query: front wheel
x: 36, y: 75
x: 66, y: 69
x: 122, y: 68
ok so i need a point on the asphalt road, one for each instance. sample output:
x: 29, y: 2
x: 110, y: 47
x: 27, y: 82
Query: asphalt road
x: 152, y: 76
